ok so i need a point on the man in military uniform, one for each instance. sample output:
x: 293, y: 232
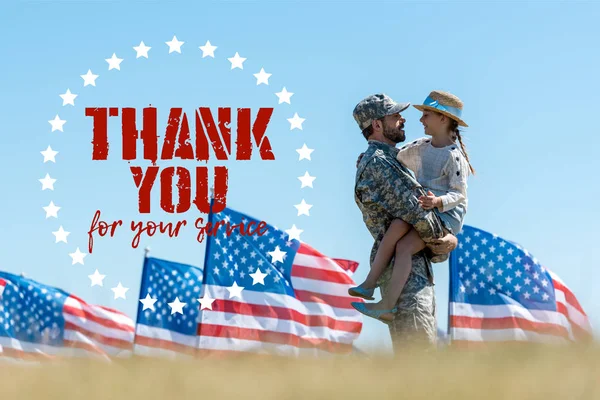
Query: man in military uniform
x: 386, y: 190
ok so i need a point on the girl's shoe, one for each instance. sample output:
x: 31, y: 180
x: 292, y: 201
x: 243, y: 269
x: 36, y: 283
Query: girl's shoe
x: 377, y: 314
x: 360, y: 291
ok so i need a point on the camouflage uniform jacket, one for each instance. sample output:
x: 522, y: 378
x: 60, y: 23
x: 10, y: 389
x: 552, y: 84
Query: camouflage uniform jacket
x: 385, y: 190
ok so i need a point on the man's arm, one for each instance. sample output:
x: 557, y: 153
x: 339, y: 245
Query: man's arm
x: 383, y: 186
x: 444, y: 245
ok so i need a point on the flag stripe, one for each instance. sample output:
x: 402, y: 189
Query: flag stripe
x: 509, y: 323
x: 275, y: 324
x: 99, y: 315
x: 495, y: 335
x: 281, y: 315
x: 323, y: 268
x: 95, y: 336
x: 218, y: 343
x: 273, y: 337
x: 318, y: 274
x: 503, y: 311
x: 325, y: 299
x: 306, y: 304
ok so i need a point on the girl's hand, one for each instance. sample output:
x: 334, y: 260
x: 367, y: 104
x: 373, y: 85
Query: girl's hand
x: 430, y: 201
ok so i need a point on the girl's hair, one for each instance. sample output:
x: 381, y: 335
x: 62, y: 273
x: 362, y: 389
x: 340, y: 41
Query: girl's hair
x: 454, y: 129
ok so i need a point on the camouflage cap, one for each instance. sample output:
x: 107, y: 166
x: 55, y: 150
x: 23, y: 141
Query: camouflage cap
x: 375, y: 107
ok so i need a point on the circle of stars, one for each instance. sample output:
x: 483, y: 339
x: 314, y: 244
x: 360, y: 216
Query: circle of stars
x: 114, y: 63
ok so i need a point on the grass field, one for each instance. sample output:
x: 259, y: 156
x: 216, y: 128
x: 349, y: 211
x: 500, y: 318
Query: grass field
x: 531, y: 373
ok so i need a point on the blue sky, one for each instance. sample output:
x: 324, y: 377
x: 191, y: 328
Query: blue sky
x: 526, y: 73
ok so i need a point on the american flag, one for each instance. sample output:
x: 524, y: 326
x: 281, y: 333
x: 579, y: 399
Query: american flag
x: 499, y: 292
x: 40, y: 322
x: 159, y: 330
x: 271, y: 295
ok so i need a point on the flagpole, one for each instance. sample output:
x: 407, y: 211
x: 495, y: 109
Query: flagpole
x: 146, y: 252
x: 206, y: 253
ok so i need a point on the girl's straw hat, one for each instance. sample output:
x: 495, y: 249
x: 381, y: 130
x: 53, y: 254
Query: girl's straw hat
x: 444, y: 103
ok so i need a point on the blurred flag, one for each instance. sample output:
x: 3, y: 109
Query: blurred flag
x: 264, y: 294
x: 168, y: 313
x: 42, y: 322
x: 275, y: 295
x: 499, y: 292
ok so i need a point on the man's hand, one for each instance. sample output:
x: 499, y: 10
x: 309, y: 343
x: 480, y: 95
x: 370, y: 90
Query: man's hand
x: 360, y: 156
x: 430, y: 201
x: 444, y: 245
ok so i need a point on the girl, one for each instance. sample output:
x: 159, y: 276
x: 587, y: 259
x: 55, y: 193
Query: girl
x: 441, y: 167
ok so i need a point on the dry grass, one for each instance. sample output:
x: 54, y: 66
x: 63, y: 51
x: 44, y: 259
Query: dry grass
x: 533, y: 373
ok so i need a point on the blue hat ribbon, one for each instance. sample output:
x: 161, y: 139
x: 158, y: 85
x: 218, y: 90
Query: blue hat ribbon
x: 435, y: 104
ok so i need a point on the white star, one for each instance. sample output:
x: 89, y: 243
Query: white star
x: 47, y: 182
x: 304, y: 152
x: 477, y: 233
x: 51, y: 210
x: 517, y: 288
x: 294, y: 233
x: 303, y: 208
x: 49, y: 154
x: 237, y: 61
x: 114, y: 62
x: 57, y: 123
x: 235, y: 290
x: 509, y: 251
x: 96, y: 278
x: 77, y: 257
x: 142, y: 50
x: 536, y: 289
x: 258, y: 277
x: 518, y: 259
x: 208, y: 50
x: 536, y: 275
x: 148, y: 302
x: 296, y: 122
x: 262, y: 77
x: 462, y: 289
x: 544, y: 283
x: 276, y: 255
x: 61, y: 235
x: 205, y: 302
x: 307, y: 180
x: 68, y: 98
x: 545, y: 296
x: 174, y: 45
x: 284, y: 96
x: 177, y: 306
x: 492, y: 291
x: 527, y: 281
x: 526, y: 295
x: 120, y: 291
x: 502, y: 244
x: 89, y: 78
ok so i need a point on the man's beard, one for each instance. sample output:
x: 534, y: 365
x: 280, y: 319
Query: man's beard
x: 394, y: 134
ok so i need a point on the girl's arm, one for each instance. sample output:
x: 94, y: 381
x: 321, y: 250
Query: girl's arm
x: 458, y: 171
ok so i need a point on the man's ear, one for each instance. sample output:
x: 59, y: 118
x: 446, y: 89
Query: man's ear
x: 377, y: 124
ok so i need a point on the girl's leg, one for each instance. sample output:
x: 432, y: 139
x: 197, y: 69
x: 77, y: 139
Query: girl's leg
x: 398, y: 228
x: 410, y: 244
